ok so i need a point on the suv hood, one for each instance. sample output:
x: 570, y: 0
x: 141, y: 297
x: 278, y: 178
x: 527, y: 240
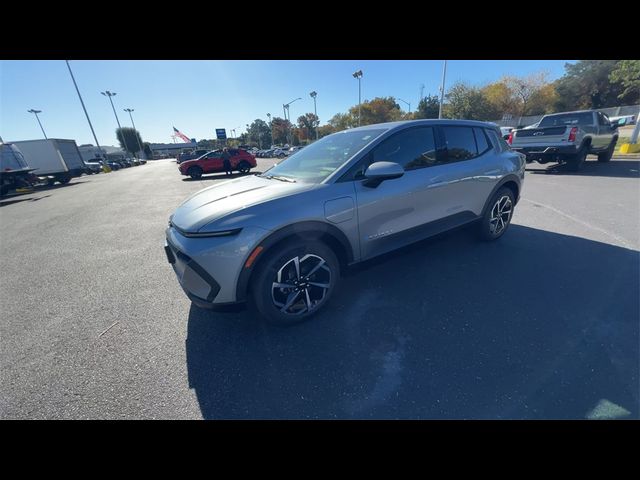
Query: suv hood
x: 220, y: 200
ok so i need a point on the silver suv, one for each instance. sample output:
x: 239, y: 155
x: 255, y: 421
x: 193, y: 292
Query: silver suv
x: 281, y: 238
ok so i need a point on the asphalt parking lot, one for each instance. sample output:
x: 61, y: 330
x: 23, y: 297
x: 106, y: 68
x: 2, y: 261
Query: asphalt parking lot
x: 543, y: 323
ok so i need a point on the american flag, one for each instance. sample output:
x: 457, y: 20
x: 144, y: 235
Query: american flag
x: 181, y: 135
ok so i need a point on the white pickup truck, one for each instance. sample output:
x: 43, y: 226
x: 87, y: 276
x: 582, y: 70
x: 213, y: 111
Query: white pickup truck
x: 567, y: 138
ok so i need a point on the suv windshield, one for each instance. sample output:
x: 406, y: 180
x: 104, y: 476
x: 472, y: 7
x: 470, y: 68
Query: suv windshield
x: 317, y: 161
x: 584, y: 118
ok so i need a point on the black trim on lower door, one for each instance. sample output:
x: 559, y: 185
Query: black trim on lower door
x: 397, y: 240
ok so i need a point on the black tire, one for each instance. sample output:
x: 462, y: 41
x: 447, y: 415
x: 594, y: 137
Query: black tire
x: 606, y: 155
x: 575, y: 162
x: 490, y: 227
x: 244, y: 167
x: 64, y: 180
x: 270, y: 300
x: 195, y: 172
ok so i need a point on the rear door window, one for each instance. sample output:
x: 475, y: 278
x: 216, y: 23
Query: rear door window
x: 460, y: 143
x: 481, y: 140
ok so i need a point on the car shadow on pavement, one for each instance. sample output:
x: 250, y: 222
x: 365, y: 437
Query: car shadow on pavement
x: 10, y: 201
x: 591, y: 168
x: 535, y: 325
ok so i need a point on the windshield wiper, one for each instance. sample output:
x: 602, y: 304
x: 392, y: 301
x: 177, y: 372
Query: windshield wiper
x: 282, y: 179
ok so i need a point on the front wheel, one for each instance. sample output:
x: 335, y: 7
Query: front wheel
x: 244, y: 167
x: 195, y: 172
x: 497, y: 217
x: 295, y: 281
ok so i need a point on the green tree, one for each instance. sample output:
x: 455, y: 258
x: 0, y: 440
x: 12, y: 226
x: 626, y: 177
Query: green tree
x: 342, y: 121
x: 281, y: 130
x: 586, y: 85
x: 129, y: 139
x: 259, y: 133
x: 146, y: 148
x: 468, y: 103
x: 627, y: 74
x: 429, y: 107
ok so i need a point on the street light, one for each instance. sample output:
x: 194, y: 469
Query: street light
x: 109, y: 94
x: 444, y: 73
x: 406, y: 103
x: 270, y: 127
x: 285, y: 107
x: 358, y: 75
x: 36, y: 112
x: 85, y: 112
x: 314, y: 94
x: 129, y: 110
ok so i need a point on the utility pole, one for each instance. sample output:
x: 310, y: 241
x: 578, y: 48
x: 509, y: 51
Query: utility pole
x: 85, y: 112
x: 444, y: 73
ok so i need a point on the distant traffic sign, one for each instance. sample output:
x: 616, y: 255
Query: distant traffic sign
x: 221, y: 133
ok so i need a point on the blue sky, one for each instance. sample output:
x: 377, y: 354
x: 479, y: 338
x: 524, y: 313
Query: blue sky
x: 200, y: 96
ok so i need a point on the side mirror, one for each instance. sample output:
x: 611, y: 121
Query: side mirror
x: 378, y: 172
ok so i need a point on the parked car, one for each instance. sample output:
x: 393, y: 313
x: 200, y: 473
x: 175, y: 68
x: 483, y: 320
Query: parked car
x: 92, y: 167
x: 278, y: 153
x: 183, y: 157
x: 505, y: 131
x: 211, y: 162
x: 113, y: 165
x: 567, y: 138
x: 283, y: 237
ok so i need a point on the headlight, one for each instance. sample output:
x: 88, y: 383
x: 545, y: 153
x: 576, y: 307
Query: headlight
x: 221, y: 233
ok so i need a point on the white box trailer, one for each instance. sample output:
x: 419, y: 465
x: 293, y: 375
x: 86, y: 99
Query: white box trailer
x: 56, y: 158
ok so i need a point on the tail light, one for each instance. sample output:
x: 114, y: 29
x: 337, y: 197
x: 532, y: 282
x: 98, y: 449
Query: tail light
x: 572, y: 134
x: 510, y: 138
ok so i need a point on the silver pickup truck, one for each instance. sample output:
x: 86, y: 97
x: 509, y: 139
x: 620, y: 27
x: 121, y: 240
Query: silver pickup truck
x: 567, y: 138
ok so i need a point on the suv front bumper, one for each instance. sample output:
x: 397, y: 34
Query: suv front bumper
x: 208, y: 268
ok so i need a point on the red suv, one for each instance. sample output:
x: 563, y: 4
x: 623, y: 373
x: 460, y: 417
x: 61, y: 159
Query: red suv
x: 211, y: 162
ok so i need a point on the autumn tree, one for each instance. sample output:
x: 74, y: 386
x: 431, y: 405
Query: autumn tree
x: 281, y: 130
x: 378, y: 110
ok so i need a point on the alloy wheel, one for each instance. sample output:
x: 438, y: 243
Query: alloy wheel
x: 301, y: 284
x: 500, y: 215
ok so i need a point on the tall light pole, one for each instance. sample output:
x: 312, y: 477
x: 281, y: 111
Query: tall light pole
x: 314, y: 94
x: 444, y: 74
x: 358, y: 75
x: 85, y: 112
x: 406, y: 103
x: 270, y: 127
x: 109, y: 94
x: 286, y: 109
x: 129, y: 110
x: 36, y: 112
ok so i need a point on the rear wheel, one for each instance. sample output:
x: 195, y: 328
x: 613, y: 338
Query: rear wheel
x: 606, y: 155
x: 295, y: 281
x: 244, y: 167
x: 64, y: 179
x: 497, y: 217
x: 575, y: 162
x: 195, y: 172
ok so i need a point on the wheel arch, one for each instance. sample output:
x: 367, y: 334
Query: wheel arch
x: 329, y: 234
x: 510, y: 181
